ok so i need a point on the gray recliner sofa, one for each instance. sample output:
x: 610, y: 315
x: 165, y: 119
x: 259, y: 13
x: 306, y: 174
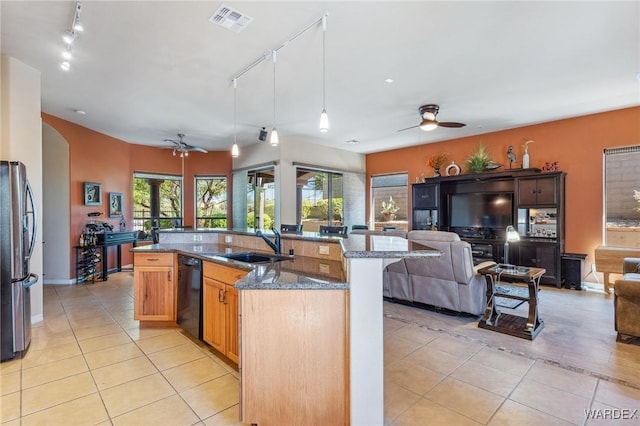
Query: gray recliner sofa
x: 450, y: 281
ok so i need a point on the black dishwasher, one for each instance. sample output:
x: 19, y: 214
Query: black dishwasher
x: 190, y: 295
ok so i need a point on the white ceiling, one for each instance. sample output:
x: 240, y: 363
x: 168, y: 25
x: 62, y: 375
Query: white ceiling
x: 146, y: 70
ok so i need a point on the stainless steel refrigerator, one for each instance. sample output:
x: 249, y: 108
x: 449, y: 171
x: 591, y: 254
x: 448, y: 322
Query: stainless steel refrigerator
x: 18, y: 219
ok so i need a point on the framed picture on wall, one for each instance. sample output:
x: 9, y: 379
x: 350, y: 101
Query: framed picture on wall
x: 115, y: 204
x: 92, y: 194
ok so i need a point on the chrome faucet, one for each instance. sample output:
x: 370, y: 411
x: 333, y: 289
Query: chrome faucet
x: 276, y: 245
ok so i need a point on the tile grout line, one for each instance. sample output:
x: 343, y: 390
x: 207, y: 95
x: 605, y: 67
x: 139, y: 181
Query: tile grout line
x: 548, y: 361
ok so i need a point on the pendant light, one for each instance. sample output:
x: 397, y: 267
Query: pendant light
x: 274, y: 140
x: 324, y: 117
x: 235, y: 152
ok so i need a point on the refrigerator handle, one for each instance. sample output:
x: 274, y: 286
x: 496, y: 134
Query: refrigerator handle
x: 33, y: 278
x: 34, y: 212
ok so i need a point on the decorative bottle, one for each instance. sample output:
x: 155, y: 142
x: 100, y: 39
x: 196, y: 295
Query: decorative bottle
x: 525, y: 159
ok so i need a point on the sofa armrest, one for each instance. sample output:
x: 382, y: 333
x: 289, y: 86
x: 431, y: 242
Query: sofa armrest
x: 481, y: 265
x: 631, y: 264
x: 627, y: 289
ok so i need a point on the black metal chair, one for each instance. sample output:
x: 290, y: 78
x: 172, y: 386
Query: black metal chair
x: 291, y: 229
x: 333, y: 230
x: 353, y: 227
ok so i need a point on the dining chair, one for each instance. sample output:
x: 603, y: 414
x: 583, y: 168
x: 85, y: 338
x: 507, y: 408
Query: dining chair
x: 333, y: 230
x: 291, y: 229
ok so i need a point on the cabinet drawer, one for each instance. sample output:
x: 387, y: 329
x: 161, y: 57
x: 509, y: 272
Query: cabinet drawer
x: 223, y: 273
x: 153, y: 259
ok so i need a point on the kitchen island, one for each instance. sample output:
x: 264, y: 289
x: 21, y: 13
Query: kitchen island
x: 329, y: 295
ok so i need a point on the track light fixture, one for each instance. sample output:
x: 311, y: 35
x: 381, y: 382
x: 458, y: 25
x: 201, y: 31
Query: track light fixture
x: 324, y: 117
x: 70, y: 37
x: 235, y: 151
x: 274, y: 140
x: 271, y: 55
x: 66, y: 54
x: 262, y: 136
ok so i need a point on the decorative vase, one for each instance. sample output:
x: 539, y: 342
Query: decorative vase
x: 525, y: 159
x: 436, y: 171
x: 388, y: 217
x: 452, y: 169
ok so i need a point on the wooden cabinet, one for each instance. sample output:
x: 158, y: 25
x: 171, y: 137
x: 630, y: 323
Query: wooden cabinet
x: 541, y: 255
x: 154, y: 287
x: 425, y: 206
x: 541, y: 191
x: 295, y: 357
x: 213, y: 315
x: 232, y: 335
x: 537, y: 214
x: 220, y: 308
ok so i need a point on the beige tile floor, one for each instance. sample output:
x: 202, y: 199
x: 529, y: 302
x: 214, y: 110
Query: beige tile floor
x: 90, y: 363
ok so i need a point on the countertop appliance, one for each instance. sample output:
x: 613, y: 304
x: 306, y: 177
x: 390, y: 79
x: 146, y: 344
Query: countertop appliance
x: 190, y: 295
x: 18, y: 219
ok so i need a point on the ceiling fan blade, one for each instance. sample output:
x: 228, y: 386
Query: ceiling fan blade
x: 450, y: 124
x: 407, y: 128
x: 197, y: 148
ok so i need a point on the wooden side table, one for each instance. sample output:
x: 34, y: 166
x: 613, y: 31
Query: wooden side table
x: 494, y: 319
x: 609, y: 261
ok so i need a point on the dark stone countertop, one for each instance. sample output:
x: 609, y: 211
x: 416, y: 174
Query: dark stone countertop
x: 300, y: 272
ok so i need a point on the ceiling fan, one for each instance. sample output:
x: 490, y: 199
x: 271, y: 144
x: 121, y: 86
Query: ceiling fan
x: 180, y: 146
x: 428, y: 113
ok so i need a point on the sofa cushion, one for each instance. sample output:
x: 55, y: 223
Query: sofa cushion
x: 428, y: 236
x: 440, y: 267
x: 632, y: 276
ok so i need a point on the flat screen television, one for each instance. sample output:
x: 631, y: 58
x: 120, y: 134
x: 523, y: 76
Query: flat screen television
x: 481, y: 210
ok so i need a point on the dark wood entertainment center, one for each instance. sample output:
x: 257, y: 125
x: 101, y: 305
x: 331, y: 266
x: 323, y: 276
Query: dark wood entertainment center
x: 536, y: 211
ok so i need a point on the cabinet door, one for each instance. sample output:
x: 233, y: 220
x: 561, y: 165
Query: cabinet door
x: 154, y: 294
x: 213, y: 318
x: 527, y: 191
x: 540, y: 191
x: 547, y: 257
x: 546, y: 190
x: 541, y: 256
x: 231, y: 308
x: 295, y: 357
x: 425, y: 196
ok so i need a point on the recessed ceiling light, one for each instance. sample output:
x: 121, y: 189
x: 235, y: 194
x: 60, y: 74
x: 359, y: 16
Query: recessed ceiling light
x: 80, y: 112
x: 352, y: 142
x: 65, y: 65
x: 388, y: 80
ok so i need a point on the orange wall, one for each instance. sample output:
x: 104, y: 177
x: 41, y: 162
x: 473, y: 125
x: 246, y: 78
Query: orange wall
x: 95, y: 157
x: 576, y: 143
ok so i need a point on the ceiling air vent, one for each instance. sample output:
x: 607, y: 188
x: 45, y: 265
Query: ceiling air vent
x: 230, y: 18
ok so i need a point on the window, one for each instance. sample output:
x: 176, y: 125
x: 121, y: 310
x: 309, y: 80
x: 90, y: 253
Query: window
x: 622, y: 196
x: 261, y: 198
x: 211, y: 202
x: 389, y: 201
x: 157, y: 201
x: 318, y: 193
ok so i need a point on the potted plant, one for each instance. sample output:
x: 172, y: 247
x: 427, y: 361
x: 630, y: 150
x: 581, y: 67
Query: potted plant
x: 479, y: 160
x: 437, y: 161
x: 389, y: 209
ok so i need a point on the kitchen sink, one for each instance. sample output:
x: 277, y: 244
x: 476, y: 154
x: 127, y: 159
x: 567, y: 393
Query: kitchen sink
x: 251, y: 257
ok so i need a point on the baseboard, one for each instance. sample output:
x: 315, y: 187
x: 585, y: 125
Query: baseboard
x: 37, y: 318
x: 59, y: 282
